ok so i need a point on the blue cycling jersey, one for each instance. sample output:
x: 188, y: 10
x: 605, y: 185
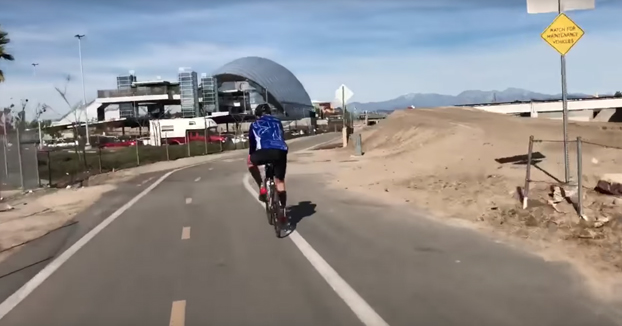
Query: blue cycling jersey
x: 266, y: 133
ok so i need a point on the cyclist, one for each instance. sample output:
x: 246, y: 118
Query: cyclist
x: 267, y: 145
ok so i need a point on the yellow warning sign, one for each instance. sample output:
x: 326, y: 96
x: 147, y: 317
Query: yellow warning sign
x: 562, y: 34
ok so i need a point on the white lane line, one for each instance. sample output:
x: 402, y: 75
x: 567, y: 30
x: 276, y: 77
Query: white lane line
x: 7, y: 305
x: 366, y: 314
x: 185, y: 233
x: 197, y: 179
x: 188, y: 200
x: 145, y: 181
x: 178, y: 313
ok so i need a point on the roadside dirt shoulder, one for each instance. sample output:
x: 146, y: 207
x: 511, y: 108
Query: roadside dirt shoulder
x: 447, y: 161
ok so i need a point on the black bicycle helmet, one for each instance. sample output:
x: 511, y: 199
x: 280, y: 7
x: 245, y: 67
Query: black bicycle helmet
x: 262, y: 109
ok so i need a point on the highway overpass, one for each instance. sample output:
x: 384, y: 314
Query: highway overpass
x: 586, y: 109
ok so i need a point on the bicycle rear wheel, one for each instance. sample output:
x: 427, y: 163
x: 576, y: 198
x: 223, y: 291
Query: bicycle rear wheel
x: 274, y: 202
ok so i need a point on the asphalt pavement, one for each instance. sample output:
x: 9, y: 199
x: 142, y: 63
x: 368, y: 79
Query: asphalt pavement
x: 196, y: 249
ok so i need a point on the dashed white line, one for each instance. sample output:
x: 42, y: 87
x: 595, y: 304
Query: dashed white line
x: 188, y: 200
x: 185, y: 233
x: 365, y: 313
x: 145, y: 181
x: 178, y: 313
x: 18, y: 296
x: 197, y: 179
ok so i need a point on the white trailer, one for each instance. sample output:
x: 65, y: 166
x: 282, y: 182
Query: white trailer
x: 175, y: 131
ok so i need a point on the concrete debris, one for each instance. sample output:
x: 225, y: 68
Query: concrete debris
x: 601, y: 222
x: 589, y: 234
x: 557, y: 197
x: 557, y: 194
x: 610, y: 184
x: 587, y: 219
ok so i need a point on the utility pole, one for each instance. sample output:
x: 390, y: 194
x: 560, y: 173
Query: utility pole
x: 86, y: 118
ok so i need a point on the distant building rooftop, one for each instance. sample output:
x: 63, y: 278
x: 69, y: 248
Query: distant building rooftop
x: 154, y: 83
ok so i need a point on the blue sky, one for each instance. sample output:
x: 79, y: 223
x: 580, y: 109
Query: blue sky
x: 381, y: 49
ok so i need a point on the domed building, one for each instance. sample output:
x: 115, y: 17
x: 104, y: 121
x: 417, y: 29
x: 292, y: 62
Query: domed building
x: 246, y: 82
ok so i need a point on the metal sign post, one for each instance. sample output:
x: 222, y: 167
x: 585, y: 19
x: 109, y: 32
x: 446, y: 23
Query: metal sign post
x: 562, y: 35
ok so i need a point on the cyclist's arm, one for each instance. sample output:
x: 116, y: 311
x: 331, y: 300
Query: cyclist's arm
x: 252, y: 142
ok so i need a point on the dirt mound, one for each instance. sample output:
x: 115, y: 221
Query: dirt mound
x: 446, y: 160
x: 458, y: 141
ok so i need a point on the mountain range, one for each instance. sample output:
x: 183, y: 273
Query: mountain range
x: 466, y: 97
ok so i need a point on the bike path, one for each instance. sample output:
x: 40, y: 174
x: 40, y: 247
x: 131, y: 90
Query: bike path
x: 231, y: 270
x: 416, y: 271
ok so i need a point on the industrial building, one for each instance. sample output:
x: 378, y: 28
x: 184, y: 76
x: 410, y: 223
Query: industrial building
x: 234, y: 89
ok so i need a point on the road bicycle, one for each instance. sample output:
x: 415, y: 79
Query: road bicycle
x: 274, y: 210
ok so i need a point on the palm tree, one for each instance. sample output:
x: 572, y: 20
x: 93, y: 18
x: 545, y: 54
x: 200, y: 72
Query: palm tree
x: 4, y: 40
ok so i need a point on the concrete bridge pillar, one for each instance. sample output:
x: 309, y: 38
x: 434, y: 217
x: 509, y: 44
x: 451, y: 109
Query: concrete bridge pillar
x: 534, y: 112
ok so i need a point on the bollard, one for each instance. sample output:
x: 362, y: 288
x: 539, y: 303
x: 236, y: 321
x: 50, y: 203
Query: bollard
x: 358, y: 147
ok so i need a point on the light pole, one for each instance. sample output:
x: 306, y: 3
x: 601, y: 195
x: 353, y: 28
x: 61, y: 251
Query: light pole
x: 86, y: 118
x: 38, y: 111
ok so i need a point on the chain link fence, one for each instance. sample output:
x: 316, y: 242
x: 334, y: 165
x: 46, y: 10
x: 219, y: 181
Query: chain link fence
x: 572, y: 186
x: 71, y: 163
x: 19, y: 166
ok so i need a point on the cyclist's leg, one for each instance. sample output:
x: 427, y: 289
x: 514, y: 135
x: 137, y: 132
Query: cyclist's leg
x: 280, y: 168
x: 253, y: 163
x: 253, y: 169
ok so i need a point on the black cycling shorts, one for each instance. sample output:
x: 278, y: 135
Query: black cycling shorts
x: 277, y: 157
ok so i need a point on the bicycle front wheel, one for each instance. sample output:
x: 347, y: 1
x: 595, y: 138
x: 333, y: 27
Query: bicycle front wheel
x: 268, y: 204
